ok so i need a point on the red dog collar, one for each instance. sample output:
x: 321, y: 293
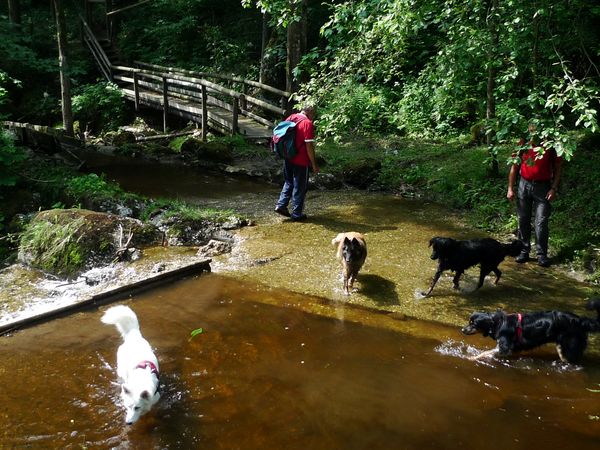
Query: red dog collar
x: 146, y: 364
x: 519, y: 327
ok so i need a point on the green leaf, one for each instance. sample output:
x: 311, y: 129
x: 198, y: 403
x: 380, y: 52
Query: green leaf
x: 195, y: 333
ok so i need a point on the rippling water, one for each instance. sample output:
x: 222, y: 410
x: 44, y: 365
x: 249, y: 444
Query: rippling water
x: 265, y: 373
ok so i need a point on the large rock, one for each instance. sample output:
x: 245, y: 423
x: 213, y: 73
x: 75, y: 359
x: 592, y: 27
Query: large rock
x: 65, y: 242
x: 212, y: 152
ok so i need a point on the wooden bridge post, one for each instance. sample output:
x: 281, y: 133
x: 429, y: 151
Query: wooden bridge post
x: 244, y: 103
x: 204, y: 114
x: 236, y: 109
x: 165, y: 102
x: 136, y: 90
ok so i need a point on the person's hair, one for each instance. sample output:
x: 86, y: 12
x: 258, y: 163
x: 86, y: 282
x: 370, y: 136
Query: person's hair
x: 309, y: 107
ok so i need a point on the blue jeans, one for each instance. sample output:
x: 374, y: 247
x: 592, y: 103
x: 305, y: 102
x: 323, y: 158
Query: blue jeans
x: 294, y: 188
x: 532, y: 200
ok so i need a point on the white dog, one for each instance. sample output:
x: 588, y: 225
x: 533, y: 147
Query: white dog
x: 137, y: 366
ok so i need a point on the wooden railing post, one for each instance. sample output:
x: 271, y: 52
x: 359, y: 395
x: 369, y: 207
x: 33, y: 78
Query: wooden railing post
x: 236, y: 109
x: 165, y: 102
x: 244, y: 103
x: 204, y: 114
x: 136, y: 90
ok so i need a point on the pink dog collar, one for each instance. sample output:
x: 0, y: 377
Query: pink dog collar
x: 146, y: 364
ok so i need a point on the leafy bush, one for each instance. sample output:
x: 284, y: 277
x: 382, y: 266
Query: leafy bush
x: 354, y: 108
x: 100, y: 107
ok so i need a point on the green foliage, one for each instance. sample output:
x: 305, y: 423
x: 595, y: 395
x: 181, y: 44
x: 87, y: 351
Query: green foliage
x: 430, y: 62
x: 100, y: 106
x: 91, y: 185
x: 187, y: 212
x: 29, y: 58
x: 176, y: 143
x: 352, y: 107
x: 193, y: 34
x: 10, y: 160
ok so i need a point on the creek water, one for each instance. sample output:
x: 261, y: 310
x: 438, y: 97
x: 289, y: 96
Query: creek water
x: 266, y: 374
x: 286, y: 360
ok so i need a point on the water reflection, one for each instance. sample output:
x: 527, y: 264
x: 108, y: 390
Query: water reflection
x: 266, y: 373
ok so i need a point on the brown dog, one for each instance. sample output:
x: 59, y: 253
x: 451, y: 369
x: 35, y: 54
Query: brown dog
x: 352, y: 252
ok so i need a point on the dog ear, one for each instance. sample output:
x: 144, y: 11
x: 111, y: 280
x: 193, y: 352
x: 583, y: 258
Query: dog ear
x: 125, y: 390
x: 145, y: 395
x: 355, y: 241
x: 346, y: 241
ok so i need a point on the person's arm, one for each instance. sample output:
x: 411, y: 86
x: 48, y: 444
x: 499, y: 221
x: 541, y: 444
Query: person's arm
x: 512, y: 177
x: 551, y: 195
x: 310, y: 150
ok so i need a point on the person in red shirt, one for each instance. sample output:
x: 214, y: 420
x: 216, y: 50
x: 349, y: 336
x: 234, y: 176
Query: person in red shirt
x: 296, y: 170
x: 538, y: 184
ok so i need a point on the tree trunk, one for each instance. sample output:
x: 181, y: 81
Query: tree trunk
x: 14, y: 12
x: 296, y: 45
x: 65, y: 83
x: 263, y: 48
x: 490, y: 110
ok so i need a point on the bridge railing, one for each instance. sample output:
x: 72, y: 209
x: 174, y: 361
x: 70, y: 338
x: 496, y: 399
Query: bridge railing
x: 96, y: 49
x: 280, y: 109
x: 175, y: 88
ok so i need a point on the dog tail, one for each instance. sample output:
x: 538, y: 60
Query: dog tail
x: 122, y: 317
x: 593, y: 324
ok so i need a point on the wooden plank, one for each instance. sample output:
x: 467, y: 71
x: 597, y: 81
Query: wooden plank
x: 109, y: 296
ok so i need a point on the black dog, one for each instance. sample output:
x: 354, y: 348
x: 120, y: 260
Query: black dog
x: 458, y: 256
x: 517, y: 332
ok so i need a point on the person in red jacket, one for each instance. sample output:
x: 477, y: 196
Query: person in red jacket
x: 296, y: 170
x: 539, y: 178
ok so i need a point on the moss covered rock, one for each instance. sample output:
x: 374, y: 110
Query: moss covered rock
x: 66, y: 242
x: 215, y: 152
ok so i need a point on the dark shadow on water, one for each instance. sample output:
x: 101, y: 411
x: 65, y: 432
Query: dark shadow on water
x: 378, y: 289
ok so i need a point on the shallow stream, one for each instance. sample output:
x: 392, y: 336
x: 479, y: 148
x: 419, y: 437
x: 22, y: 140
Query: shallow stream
x: 265, y: 374
x: 287, y: 360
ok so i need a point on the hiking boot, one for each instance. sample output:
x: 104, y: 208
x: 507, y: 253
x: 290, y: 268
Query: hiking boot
x: 299, y: 218
x: 543, y: 261
x: 523, y: 257
x: 283, y: 211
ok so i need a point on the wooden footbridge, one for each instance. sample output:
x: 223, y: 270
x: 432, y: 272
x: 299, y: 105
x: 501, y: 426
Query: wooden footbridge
x: 228, y: 104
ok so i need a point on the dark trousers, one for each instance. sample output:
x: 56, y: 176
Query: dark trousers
x: 294, y: 188
x: 532, y: 200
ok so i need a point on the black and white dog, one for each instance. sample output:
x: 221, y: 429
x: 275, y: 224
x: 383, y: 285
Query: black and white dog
x: 518, y: 332
x: 458, y: 256
x: 137, y: 366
